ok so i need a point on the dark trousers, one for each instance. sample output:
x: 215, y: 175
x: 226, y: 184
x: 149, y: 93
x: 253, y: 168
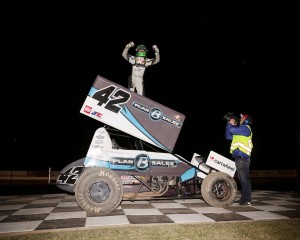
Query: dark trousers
x: 242, y: 167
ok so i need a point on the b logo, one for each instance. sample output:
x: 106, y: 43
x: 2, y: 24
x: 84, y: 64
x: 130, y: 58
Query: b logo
x: 142, y: 162
x: 155, y: 114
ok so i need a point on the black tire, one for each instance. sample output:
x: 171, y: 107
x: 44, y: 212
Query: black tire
x: 98, y: 190
x: 219, y: 189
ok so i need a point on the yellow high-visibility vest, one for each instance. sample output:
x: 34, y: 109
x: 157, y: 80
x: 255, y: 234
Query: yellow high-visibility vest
x: 243, y: 143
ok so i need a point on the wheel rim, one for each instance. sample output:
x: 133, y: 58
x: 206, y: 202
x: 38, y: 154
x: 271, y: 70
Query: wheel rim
x: 99, y: 192
x: 220, y: 189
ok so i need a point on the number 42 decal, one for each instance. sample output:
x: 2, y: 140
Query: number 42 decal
x: 111, y: 98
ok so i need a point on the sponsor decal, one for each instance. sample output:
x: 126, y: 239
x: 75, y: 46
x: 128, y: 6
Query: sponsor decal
x: 156, y: 114
x: 120, y: 161
x: 163, y: 163
x: 87, y: 109
x: 141, y: 162
x: 96, y: 114
x: 221, y: 163
x: 127, y: 179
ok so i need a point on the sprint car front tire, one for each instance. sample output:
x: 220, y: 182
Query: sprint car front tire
x: 219, y: 189
x: 98, y: 190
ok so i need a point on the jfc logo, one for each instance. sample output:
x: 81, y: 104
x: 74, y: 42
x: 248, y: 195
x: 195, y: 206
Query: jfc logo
x: 96, y: 114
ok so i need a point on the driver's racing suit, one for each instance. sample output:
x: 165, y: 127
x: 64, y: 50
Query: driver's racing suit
x: 139, y: 64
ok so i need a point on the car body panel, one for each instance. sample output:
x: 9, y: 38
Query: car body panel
x: 137, y: 115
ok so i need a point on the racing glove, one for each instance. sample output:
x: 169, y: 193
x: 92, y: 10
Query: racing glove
x: 129, y: 45
x: 155, y: 48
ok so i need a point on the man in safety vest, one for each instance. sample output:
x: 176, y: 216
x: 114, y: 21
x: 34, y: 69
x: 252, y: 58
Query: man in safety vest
x: 139, y: 63
x: 241, y: 147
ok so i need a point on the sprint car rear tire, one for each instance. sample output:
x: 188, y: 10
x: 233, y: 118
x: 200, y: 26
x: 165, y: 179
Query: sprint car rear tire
x: 219, y: 189
x: 98, y: 190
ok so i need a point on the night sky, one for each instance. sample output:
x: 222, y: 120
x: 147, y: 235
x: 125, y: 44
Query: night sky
x: 213, y: 61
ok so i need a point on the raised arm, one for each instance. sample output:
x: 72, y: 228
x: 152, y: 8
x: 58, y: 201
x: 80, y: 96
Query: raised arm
x: 157, y: 55
x: 125, y: 54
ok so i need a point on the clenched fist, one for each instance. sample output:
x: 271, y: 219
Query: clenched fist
x: 155, y: 48
x: 129, y: 45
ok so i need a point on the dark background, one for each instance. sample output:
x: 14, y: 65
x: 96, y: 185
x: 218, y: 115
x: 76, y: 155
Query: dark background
x: 213, y: 60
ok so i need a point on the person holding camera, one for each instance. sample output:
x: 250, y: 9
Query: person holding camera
x: 238, y: 130
x: 139, y: 63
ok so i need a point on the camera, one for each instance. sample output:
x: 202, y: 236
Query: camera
x: 228, y: 116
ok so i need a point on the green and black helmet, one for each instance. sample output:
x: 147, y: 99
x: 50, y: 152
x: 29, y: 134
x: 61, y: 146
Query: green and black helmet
x: 141, y: 51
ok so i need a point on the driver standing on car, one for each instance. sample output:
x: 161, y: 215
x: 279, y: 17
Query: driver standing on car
x: 139, y: 63
x: 241, y: 147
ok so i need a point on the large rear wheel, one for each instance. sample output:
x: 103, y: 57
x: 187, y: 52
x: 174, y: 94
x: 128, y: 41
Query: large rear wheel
x: 98, y: 190
x: 219, y: 189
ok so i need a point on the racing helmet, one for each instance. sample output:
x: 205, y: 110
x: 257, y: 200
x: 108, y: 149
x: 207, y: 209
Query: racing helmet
x: 248, y: 119
x: 141, y: 51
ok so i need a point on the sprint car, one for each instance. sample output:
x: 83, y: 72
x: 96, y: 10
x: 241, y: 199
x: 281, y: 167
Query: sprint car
x: 130, y: 157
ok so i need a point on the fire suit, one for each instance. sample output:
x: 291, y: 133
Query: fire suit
x: 139, y: 64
